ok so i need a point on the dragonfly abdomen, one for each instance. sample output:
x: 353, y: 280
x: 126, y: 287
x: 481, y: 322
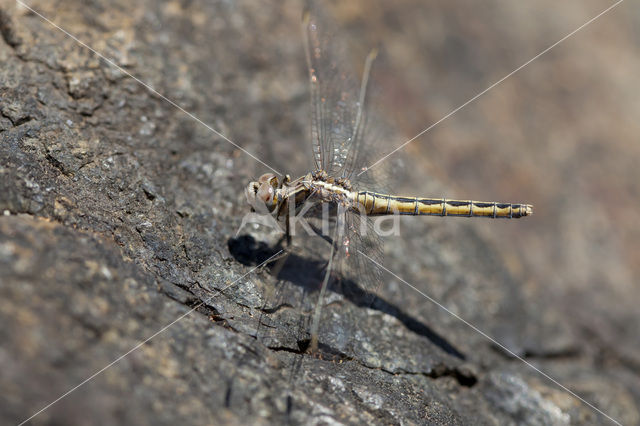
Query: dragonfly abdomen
x: 375, y: 204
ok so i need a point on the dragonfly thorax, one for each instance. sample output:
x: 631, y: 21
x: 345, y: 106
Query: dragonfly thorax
x: 327, y: 191
x: 320, y: 186
x: 323, y: 176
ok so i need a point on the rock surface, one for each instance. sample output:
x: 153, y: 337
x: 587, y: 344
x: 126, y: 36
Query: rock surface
x: 119, y: 217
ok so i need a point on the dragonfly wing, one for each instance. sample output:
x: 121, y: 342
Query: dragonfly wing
x: 360, y: 237
x: 334, y: 97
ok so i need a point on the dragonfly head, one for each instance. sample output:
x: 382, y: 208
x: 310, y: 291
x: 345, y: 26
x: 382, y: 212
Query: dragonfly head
x: 263, y: 192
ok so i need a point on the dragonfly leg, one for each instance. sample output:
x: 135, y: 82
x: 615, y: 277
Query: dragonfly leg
x: 281, y: 258
x: 279, y: 261
x: 316, y: 314
x: 318, y: 232
x: 288, y: 229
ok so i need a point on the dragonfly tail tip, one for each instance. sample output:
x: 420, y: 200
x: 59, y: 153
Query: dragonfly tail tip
x: 528, y: 210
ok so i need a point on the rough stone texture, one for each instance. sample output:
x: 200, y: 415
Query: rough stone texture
x: 120, y: 215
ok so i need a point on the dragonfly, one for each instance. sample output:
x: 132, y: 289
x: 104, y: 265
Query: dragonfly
x: 339, y: 189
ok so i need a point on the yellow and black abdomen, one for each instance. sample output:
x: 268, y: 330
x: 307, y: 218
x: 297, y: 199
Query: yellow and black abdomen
x: 374, y: 204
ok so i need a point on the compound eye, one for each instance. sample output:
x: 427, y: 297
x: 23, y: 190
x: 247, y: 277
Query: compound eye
x: 265, y: 193
x: 268, y: 178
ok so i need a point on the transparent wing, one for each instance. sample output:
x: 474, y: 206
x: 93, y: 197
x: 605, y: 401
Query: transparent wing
x: 337, y: 119
x: 345, y: 134
x: 360, y: 237
x: 353, y: 277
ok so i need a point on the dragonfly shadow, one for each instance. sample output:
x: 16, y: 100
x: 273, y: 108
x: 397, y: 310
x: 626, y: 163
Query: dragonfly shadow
x: 302, y: 271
